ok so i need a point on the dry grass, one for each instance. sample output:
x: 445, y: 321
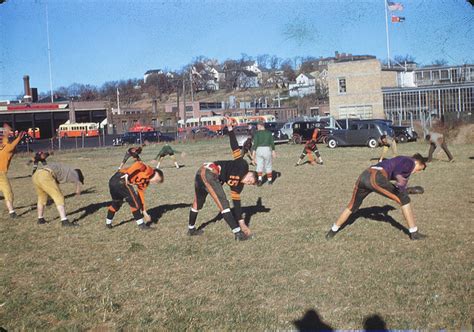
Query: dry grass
x: 92, y: 277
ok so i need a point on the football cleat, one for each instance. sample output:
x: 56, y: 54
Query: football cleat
x: 145, y: 227
x: 417, y: 236
x: 240, y: 236
x: 66, y: 223
x: 195, y: 231
x: 41, y: 221
x: 13, y: 215
x: 330, y: 234
x: 109, y: 226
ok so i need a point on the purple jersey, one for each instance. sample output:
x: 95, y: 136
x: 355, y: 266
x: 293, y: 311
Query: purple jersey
x: 398, y: 169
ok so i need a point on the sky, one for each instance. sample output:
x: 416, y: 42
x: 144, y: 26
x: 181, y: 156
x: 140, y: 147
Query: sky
x: 93, y: 42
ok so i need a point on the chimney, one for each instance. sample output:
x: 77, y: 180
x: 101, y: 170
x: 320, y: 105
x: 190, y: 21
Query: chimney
x: 26, y: 85
x: 34, y: 95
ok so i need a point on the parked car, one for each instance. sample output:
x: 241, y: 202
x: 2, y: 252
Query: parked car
x: 287, y: 129
x: 278, y: 136
x: 404, y: 134
x: 141, y: 137
x: 203, y: 132
x: 242, y: 133
x: 303, y: 130
x: 359, y: 133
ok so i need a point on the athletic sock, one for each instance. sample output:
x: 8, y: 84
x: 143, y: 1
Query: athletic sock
x: 230, y: 220
x: 335, y: 228
x: 236, y: 230
x: 192, y: 218
x: 413, y: 229
x: 140, y: 221
x: 108, y: 221
x: 11, y: 212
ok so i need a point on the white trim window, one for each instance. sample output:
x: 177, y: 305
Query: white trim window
x: 342, y: 85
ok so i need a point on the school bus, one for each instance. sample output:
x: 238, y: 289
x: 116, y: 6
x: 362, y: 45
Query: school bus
x: 87, y: 129
x: 241, y: 120
x: 214, y: 123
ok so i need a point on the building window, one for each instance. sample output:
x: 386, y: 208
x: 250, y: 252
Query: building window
x: 124, y: 125
x: 342, y: 85
x: 444, y: 74
x: 153, y: 123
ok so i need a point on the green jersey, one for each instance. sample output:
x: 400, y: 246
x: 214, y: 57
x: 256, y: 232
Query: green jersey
x: 263, y: 138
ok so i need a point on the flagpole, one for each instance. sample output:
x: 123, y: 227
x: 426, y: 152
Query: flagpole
x: 386, y: 31
x: 49, y: 54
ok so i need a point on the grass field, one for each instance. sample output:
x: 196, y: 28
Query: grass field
x: 91, y: 277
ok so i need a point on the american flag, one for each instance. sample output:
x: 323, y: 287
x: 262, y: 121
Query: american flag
x: 394, y: 6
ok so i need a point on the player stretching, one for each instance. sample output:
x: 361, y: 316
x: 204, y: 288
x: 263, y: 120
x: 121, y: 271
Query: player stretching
x: 7, y: 150
x: 166, y: 150
x: 40, y: 157
x: 46, y: 181
x: 377, y: 179
x: 121, y: 188
x: 309, y: 148
x: 209, y: 180
x: 387, y: 142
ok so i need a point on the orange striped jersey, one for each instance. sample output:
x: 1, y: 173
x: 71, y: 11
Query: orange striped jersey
x: 233, y: 171
x: 139, y: 175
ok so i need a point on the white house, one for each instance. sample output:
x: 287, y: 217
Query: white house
x: 247, y: 79
x: 305, y: 85
x: 156, y: 72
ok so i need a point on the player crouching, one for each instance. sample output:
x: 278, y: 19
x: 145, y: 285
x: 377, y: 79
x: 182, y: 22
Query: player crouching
x: 377, y: 179
x: 209, y: 180
x: 121, y: 186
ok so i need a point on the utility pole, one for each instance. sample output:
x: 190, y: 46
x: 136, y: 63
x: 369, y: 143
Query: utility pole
x: 184, y: 97
x: 191, y: 84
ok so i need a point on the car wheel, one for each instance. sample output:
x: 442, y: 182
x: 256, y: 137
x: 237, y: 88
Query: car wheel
x: 372, y: 143
x: 402, y: 139
x: 325, y: 140
x: 296, y: 139
x: 332, y: 143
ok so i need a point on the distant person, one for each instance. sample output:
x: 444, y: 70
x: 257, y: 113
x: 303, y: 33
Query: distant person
x: 437, y: 140
x: 377, y: 179
x: 310, y: 148
x: 166, y: 150
x: 7, y: 150
x: 46, y: 181
x: 209, y: 180
x: 263, y: 153
x: 40, y: 157
x: 134, y: 153
x: 387, y: 142
x: 122, y: 187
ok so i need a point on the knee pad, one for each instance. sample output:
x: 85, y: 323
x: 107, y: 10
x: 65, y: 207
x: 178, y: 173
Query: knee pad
x: 404, y: 198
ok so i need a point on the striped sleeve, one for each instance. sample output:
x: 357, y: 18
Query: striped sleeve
x: 234, y: 145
